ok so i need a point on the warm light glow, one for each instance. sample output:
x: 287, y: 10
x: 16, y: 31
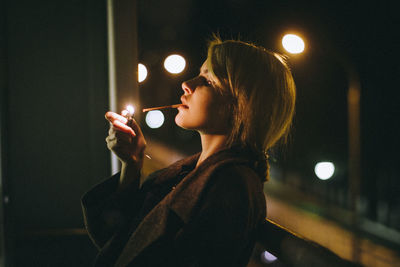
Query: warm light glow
x: 324, y: 170
x: 174, y: 64
x: 142, y: 72
x: 130, y: 109
x: 154, y: 119
x: 293, y: 43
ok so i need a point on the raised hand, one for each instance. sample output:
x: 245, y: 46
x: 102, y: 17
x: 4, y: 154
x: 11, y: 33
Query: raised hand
x: 127, y: 143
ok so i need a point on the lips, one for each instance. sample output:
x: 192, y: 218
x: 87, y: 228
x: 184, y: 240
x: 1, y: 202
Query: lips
x: 184, y: 105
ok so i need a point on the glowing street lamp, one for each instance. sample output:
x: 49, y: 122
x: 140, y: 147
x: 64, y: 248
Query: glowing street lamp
x: 293, y: 43
x: 142, y: 72
x: 175, y: 64
x: 324, y: 170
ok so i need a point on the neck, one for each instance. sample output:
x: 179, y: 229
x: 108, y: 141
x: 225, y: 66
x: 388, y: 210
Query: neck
x: 210, y: 144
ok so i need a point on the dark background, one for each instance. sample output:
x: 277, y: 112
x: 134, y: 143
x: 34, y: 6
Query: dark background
x: 361, y: 33
x: 54, y: 92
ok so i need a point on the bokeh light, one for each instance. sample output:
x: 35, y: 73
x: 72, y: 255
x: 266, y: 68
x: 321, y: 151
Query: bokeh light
x: 154, y: 119
x: 175, y: 64
x: 293, y: 43
x: 324, y: 170
x: 142, y: 72
x: 267, y: 257
x: 130, y: 109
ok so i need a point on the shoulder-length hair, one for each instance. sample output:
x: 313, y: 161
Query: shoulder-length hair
x: 262, y: 91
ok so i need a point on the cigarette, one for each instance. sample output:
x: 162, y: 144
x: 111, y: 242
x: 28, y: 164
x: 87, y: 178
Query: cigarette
x: 163, y: 107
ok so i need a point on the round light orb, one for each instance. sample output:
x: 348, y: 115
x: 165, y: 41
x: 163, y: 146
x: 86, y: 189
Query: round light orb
x: 142, y: 72
x: 324, y: 170
x: 293, y: 43
x: 267, y: 257
x: 154, y: 119
x: 175, y: 64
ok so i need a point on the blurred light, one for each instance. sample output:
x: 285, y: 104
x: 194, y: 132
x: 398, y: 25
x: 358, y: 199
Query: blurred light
x: 142, y: 72
x: 174, y: 64
x: 324, y: 170
x: 293, y: 43
x: 267, y: 257
x: 154, y: 119
x: 130, y: 109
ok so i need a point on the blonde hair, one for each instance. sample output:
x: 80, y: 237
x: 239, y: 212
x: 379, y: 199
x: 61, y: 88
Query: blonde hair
x: 260, y: 89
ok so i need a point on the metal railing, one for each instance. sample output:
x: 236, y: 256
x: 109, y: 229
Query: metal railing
x: 292, y: 249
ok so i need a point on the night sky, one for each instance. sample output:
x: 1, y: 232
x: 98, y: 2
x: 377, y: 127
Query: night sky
x: 361, y: 32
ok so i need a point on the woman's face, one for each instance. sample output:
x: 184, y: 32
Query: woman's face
x: 204, y: 109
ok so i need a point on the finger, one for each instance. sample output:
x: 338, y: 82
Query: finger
x: 136, y: 128
x: 124, y: 112
x: 112, y: 116
x: 115, y: 132
x: 122, y: 136
x: 119, y: 126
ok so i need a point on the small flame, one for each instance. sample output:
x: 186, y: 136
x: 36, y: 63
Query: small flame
x: 130, y: 109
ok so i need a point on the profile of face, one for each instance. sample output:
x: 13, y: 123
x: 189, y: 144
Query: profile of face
x: 203, y: 109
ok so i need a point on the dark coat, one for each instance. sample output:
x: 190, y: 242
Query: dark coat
x: 209, y: 219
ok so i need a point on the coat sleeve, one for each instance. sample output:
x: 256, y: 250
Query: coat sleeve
x: 222, y: 232
x: 105, y: 211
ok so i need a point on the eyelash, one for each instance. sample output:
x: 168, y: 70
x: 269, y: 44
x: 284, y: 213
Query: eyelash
x: 207, y: 82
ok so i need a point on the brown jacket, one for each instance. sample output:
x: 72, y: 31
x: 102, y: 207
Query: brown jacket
x: 209, y: 219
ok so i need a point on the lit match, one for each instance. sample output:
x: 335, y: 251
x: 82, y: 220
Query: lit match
x: 128, y: 113
x: 162, y: 107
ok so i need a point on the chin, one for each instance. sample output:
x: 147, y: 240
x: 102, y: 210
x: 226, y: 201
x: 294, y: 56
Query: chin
x: 179, y: 121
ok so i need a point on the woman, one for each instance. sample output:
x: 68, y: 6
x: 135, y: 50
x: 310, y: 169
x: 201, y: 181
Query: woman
x: 203, y: 210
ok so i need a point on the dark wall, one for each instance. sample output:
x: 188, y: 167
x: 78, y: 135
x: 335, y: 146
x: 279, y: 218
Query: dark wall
x: 3, y: 85
x: 56, y: 95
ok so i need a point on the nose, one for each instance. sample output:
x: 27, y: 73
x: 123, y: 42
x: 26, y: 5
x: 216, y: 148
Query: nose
x: 186, y: 88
